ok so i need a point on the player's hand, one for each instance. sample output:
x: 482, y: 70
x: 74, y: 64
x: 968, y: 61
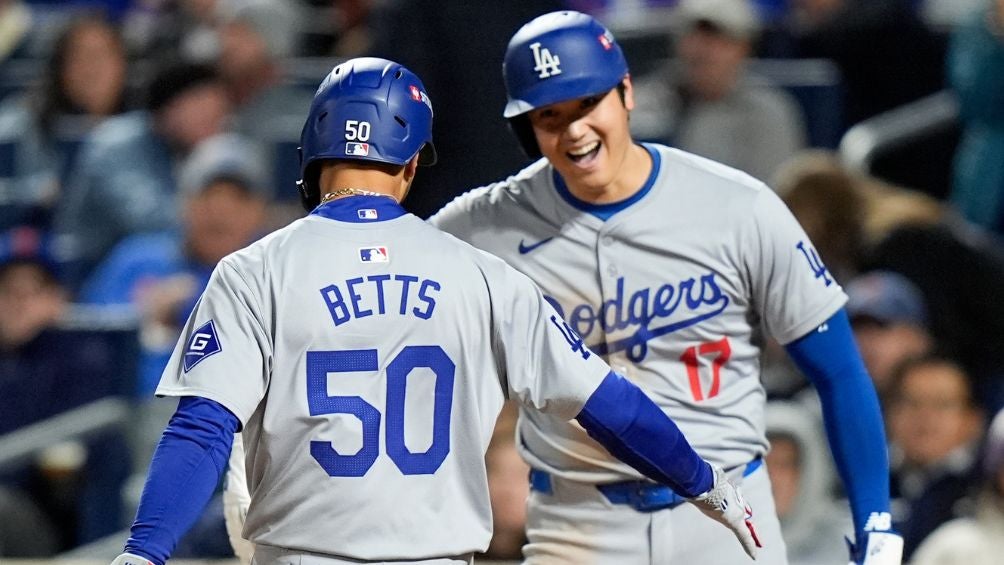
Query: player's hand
x: 131, y: 559
x: 878, y: 545
x: 724, y: 503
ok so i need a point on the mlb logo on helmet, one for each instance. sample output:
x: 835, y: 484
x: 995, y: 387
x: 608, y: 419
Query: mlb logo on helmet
x: 357, y: 149
x: 606, y: 40
x: 374, y: 255
x: 418, y: 96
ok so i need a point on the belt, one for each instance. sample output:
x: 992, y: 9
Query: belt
x: 643, y: 496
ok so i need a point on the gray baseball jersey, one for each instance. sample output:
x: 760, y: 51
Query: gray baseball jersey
x: 368, y: 361
x: 673, y: 290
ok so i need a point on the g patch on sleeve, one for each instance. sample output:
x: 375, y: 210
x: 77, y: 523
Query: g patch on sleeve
x: 202, y: 344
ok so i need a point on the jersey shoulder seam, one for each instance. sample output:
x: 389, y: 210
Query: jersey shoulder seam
x: 728, y: 174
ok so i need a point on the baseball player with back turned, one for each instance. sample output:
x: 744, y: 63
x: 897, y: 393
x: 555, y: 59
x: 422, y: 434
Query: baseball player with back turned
x: 366, y: 355
x: 670, y: 266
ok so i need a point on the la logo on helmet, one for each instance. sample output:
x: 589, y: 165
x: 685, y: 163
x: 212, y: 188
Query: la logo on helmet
x: 546, y: 64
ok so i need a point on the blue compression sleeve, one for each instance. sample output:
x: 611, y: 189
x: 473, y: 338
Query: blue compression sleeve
x: 829, y: 358
x: 632, y: 428
x: 184, y: 473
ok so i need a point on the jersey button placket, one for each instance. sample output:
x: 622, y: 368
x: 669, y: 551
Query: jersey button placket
x: 604, y: 253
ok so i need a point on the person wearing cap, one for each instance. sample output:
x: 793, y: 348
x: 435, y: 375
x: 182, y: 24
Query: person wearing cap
x: 935, y: 425
x: 31, y: 297
x: 124, y: 179
x: 675, y: 268
x: 46, y: 369
x: 257, y: 37
x: 890, y: 322
x: 224, y: 194
x: 705, y: 101
x: 813, y: 522
x: 976, y: 539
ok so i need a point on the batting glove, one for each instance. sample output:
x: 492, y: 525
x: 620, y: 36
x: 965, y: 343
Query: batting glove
x: 725, y: 504
x: 878, y: 545
x: 131, y: 559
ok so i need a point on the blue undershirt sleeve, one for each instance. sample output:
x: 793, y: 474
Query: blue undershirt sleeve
x: 184, y: 473
x: 632, y: 428
x: 829, y: 357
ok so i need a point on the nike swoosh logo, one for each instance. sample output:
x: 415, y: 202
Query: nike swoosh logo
x: 524, y: 248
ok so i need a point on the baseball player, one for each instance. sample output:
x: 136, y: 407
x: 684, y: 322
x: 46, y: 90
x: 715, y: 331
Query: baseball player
x: 366, y: 356
x: 671, y: 267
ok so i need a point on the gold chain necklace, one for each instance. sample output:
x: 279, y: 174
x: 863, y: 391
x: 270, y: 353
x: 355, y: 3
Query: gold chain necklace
x: 352, y: 192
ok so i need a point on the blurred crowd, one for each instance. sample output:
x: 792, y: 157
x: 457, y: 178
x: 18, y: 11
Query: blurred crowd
x: 143, y: 140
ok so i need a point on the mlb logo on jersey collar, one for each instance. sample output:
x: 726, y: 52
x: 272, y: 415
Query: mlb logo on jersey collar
x: 374, y: 255
x: 203, y: 343
x: 367, y: 214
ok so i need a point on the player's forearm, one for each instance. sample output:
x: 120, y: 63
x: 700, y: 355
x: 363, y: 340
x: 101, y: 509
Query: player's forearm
x: 851, y: 413
x: 185, y: 470
x: 631, y: 427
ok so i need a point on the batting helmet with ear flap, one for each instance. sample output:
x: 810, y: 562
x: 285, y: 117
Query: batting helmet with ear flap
x: 366, y: 109
x: 556, y: 57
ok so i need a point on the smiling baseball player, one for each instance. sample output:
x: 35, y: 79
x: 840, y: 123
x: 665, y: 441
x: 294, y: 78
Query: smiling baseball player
x: 670, y: 266
x: 366, y: 355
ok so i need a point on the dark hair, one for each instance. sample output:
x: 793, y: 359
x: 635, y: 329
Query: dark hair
x: 53, y: 100
x: 174, y: 79
x: 828, y: 205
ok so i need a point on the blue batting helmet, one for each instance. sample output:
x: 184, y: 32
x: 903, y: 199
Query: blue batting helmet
x: 560, y: 56
x: 366, y: 109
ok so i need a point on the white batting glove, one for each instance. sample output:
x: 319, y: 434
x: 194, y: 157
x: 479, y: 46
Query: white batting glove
x: 131, y: 559
x: 725, y: 504
x: 880, y: 546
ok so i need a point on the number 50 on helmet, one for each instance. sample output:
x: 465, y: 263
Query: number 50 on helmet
x: 366, y: 109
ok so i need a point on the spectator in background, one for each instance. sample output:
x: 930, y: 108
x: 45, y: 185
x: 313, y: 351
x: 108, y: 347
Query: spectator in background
x: 256, y: 38
x: 886, y: 54
x: 31, y: 298
x: 801, y: 477
x: 934, y: 427
x: 162, y: 274
x: 976, y: 71
x: 889, y: 319
x: 958, y: 272
x: 46, y: 370
x: 84, y: 83
x: 124, y: 181
x: 30, y: 301
x: 978, y: 539
x: 853, y: 212
x: 174, y: 29
x: 828, y: 204
x: 707, y: 103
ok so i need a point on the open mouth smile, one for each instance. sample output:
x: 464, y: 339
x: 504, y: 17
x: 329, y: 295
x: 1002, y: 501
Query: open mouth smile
x: 584, y: 155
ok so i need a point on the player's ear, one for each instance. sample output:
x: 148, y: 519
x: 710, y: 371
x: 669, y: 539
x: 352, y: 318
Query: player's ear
x: 410, y: 169
x: 626, y: 90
